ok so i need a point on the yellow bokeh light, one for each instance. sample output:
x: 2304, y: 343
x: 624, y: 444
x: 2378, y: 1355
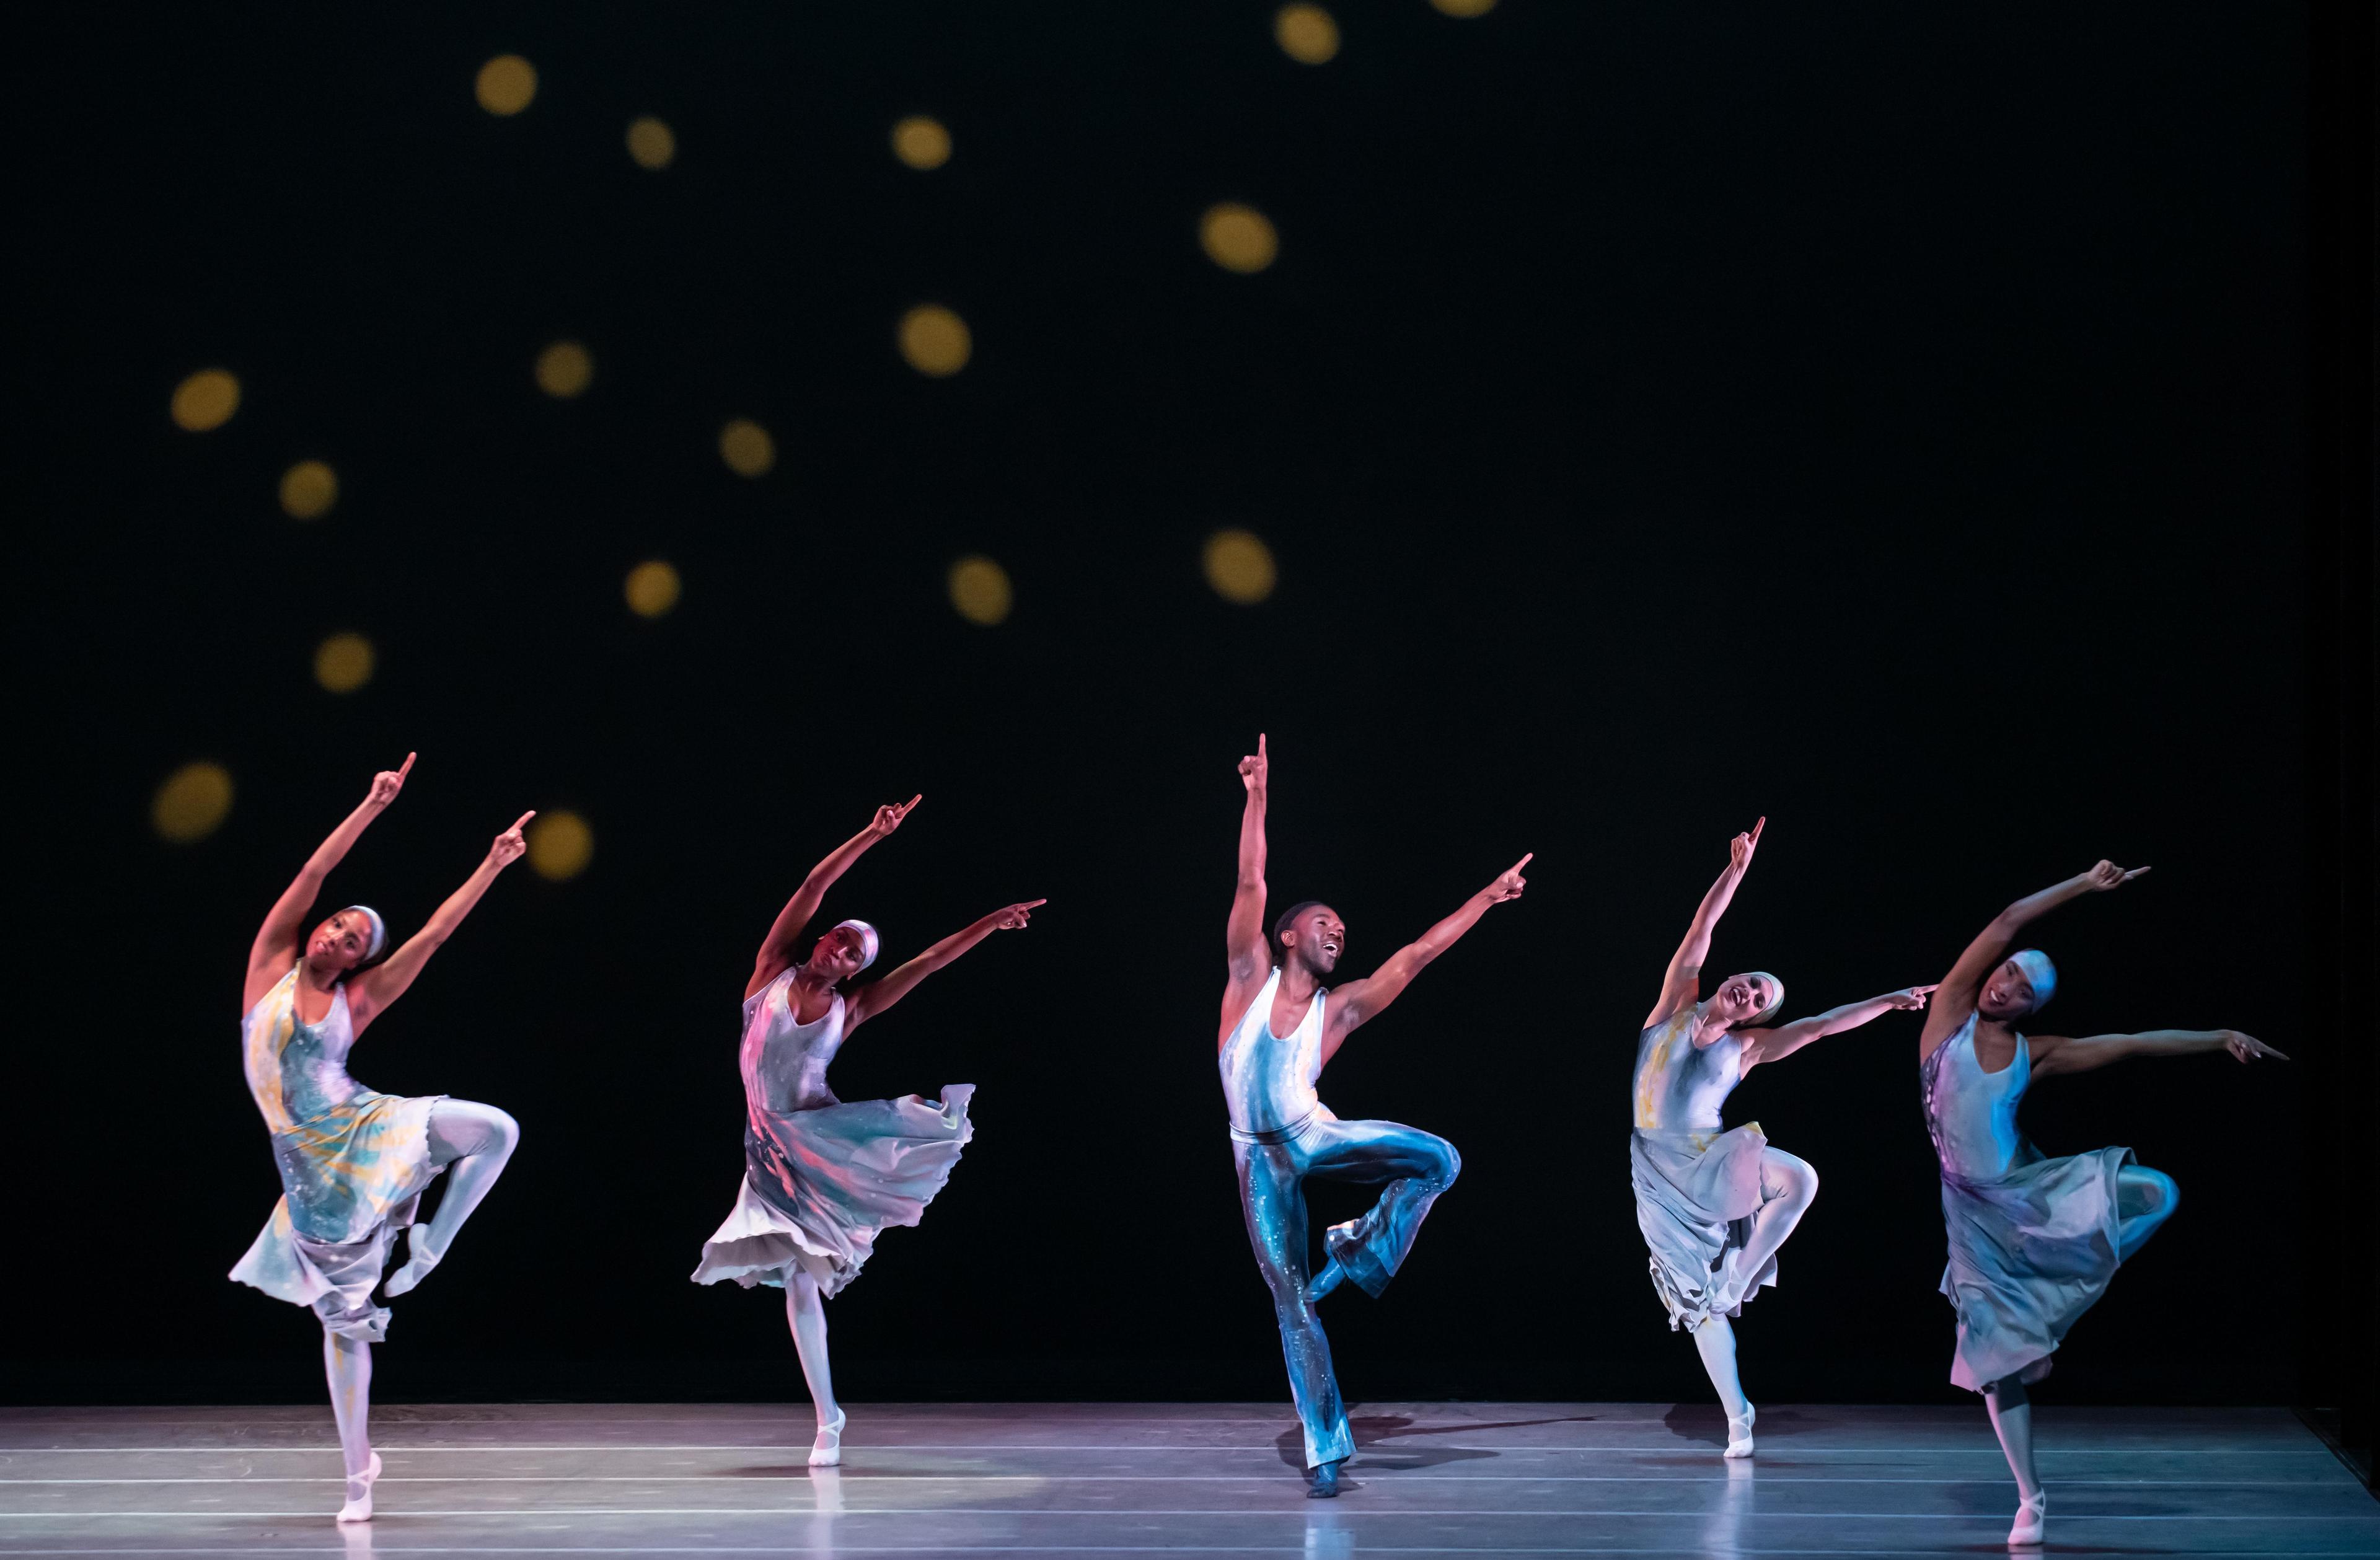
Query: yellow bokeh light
x: 344, y: 663
x: 308, y: 489
x: 922, y: 142
x: 565, y: 369
x: 1464, y: 7
x: 192, y: 802
x: 748, y: 448
x: 652, y: 588
x: 560, y: 844
x: 507, y: 84
x: 650, y: 142
x: 205, y: 401
x: 980, y: 591
x: 1238, y: 237
x: 935, y: 341
x: 1305, y: 33
x: 1239, y: 567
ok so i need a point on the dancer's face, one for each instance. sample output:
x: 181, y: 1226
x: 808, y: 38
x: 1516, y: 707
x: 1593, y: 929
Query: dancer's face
x: 839, y: 955
x: 1316, y: 938
x: 1740, y: 996
x: 2008, y: 994
x: 339, y: 943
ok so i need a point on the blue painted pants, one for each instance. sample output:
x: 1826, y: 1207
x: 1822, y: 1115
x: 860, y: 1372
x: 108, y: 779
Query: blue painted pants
x: 1273, y: 1167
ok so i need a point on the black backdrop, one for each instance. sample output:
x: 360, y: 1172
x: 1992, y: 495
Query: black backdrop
x: 1887, y: 420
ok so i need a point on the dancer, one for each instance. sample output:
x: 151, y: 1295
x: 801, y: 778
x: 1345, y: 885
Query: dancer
x: 822, y: 1178
x: 1715, y: 1205
x: 1278, y: 1031
x: 354, y: 1164
x: 2033, y: 1241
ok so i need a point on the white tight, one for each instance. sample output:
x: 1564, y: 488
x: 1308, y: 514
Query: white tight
x: 1788, y: 1187
x: 347, y: 1361
x: 806, y: 1312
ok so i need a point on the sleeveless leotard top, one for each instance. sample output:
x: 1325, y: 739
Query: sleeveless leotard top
x: 297, y: 1071
x: 783, y: 1061
x: 1268, y: 1078
x: 1680, y: 1085
x: 1971, y: 1113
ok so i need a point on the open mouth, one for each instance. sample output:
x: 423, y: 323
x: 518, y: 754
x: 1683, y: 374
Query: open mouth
x: 1330, y: 947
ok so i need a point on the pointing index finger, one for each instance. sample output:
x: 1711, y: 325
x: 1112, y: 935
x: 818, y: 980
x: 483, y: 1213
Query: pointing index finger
x: 1757, y: 826
x: 521, y: 822
x: 1032, y: 903
x: 407, y: 767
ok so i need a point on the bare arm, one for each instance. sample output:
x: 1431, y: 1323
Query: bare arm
x: 276, y: 948
x: 1681, y: 983
x: 1246, y: 953
x: 2057, y: 1053
x: 1359, y: 1002
x: 373, y: 990
x: 777, y: 950
x: 1960, y: 988
x: 1774, y: 1045
x: 869, y: 1000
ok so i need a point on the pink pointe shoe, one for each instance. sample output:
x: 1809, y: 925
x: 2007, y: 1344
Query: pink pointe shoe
x: 359, y: 1507
x: 827, y: 1450
x: 2031, y: 1517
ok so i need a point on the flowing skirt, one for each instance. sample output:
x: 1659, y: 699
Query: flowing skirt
x: 2030, y: 1252
x: 821, y: 1184
x: 1696, y: 1195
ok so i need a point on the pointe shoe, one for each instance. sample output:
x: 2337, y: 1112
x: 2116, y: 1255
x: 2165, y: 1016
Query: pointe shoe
x: 419, y: 1259
x: 2031, y: 1517
x: 359, y: 1507
x: 827, y: 1450
x: 1739, y: 1432
x: 1322, y: 1482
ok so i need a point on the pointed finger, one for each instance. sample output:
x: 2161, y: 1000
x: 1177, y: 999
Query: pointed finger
x: 407, y: 767
x: 1261, y: 744
x: 522, y: 821
x: 1756, y: 827
x: 1923, y: 990
x: 1032, y: 903
x: 2133, y: 873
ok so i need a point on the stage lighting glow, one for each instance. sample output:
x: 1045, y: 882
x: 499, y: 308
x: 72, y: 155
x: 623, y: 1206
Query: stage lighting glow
x: 565, y: 369
x: 935, y: 341
x: 653, y: 589
x: 506, y: 85
x: 205, y: 401
x: 980, y: 591
x: 650, y: 142
x: 746, y: 447
x: 1238, y: 237
x: 1240, y: 567
x: 1305, y: 33
x: 560, y: 844
x: 344, y: 663
x: 921, y: 142
x: 308, y: 489
x: 192, y: 802
x: 1464, y: 7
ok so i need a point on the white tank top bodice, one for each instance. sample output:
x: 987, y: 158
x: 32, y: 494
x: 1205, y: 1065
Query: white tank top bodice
x: 1680, y: 1085
x: 1971, y: 1113
x: 784, y: 1062
x: 1267, y: 1079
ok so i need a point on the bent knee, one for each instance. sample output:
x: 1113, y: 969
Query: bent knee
x: 2154, y: 1189
x: 1450, y: 1165
x: 1795, y: 1180
x: 468, y: 1128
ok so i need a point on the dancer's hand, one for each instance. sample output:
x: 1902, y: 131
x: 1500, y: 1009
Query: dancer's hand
x: 2247, y: 1047
x: 1912, y: 996
x: 1740, y: 849
x: 889, y: 816
x: 1254, y: 767
x: 1015, y: 916
x: 2108, y: 875
x: 1508, y: 887
x: 509, y: 845
x: 388, y: 783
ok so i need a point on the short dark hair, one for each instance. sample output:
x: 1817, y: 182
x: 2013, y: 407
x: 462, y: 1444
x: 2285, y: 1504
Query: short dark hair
x: 1283, y: 922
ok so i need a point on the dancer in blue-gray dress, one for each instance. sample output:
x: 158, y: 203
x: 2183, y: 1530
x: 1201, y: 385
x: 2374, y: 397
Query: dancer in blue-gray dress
x: 2033, y: 1241
x: 1279, y: 1027
x: 823, y: 1179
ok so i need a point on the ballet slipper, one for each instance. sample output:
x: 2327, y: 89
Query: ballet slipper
x: 1739, y: 1432
x: 2031, y: 1516
x: 359, y: 1507
x: 827, y: 1450
x: 418, y: 1261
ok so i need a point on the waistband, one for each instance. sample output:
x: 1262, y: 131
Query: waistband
x: 1279, y: 1134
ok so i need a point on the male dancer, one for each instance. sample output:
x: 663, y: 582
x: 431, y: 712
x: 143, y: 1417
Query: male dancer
x: 1278, y: 1030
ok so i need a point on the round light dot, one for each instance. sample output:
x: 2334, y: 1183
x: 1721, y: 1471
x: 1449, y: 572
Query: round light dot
x: 308, y: 489
x: 344, y: 663
x: 565, y: 369
x: 921, y: 142
x: 653, y: 589
x: 981, y: 592
x: 1239, y: 567
x: 507, y: 84
x: 206, y: 400
x: 192, y: 802
x: 1238, y: 237
x: 652, y: 143
x: 748, y: 448
x: 1464, y: 7
x: 935, y: 341
x: 1305, y: 33
x: 560, y: 844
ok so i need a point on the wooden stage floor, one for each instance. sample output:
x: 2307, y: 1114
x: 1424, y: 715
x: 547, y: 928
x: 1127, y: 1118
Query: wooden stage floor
x: 1087, y: 1480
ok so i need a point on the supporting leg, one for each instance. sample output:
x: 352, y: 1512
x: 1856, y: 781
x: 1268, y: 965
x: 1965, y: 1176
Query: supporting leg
x: 1273, y: 1202
x: 1714, y: 1341
x: 1788, y: 1187
x: 347, y: 1362
x: 2145, y: 1199
x: 473, y: 1142
x: 806, y: 1312
x: 2012, y: 1413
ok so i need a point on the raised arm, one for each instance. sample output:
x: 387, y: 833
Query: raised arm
x: 867, y: 1001
x: 2059, y: 1054
x: 1774, y: 1045
x: 1359, y: 1002
x: 1960, y: 988
x: 276, y: 947
x: 777, y: 950
x: 1681, y: 983
x: 1246, y: 952
x: 373, y: 990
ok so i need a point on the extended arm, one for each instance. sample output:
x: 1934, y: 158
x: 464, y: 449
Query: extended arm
x: 1960, y: 988
x: 1681, y: 983
x: 373, y: 990
x: 869, y: 1000
x: 777, y: 950
x: 1359, y: 1002
x: 276, y: 941
x: 1774, y: 1045
x: 2059, y: 1054
x: 1243, y: 934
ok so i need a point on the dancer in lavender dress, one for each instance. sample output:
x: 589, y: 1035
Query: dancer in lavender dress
x: 822, y: 1178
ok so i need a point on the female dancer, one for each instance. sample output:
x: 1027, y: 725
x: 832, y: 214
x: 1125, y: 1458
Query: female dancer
x: 354, y: 1163
x: 821, y: 1178
x: 1715, y: 1205
x: 2033, y: 1241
